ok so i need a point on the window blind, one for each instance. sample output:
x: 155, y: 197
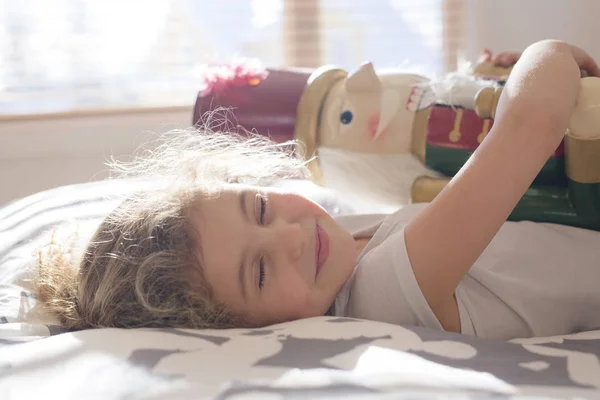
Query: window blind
x: 64, y: 55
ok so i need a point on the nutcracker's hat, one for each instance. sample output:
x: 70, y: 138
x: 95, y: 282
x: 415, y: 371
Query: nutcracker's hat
x: 281, y: 103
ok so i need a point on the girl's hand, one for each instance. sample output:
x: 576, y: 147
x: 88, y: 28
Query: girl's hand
x: 506, y: 59
x: 586, y: 63
x: 543, y: 87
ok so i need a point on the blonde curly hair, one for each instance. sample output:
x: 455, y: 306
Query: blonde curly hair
x: 140, y: 268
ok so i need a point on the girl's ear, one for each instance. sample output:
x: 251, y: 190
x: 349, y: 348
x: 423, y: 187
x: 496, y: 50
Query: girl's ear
x: 364, y: 79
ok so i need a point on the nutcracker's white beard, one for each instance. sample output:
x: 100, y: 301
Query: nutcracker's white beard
x: 457, y: 89
x: 384, y: 179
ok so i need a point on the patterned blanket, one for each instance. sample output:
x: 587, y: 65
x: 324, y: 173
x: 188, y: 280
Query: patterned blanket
x: 325, y: 357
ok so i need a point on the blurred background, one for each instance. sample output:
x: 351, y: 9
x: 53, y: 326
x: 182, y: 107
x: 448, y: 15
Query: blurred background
x: 81, y: 80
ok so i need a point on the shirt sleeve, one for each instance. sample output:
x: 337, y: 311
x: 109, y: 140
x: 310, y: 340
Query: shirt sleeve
x: 384, y: 287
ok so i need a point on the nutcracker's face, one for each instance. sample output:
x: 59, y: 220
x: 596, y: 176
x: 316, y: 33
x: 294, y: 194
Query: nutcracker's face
x: 371, y: 113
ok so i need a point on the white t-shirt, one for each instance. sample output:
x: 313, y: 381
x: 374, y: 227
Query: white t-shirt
x: 534, y: 279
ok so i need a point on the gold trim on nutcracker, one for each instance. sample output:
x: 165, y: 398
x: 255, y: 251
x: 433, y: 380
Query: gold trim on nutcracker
x: 582, y: 159
x: 424, y: 189
x: 419, y: 133
x: 309, y: 109
x: 455, y: 134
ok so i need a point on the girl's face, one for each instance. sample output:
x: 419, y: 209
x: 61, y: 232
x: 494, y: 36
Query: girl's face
x: 271, y: 256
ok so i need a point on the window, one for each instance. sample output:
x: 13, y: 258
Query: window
x: 65, y: 55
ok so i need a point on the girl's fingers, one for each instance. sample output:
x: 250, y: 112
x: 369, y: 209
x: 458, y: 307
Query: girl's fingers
x: 506, y: 59
x: 485, y: 56
x: 585, y: 61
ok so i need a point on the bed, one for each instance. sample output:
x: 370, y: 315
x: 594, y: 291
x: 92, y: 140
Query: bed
x: 324, y: 357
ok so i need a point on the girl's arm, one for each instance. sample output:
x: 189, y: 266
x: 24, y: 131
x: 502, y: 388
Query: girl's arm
x: 448, y: 236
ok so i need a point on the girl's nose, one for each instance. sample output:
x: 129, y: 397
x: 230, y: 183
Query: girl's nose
x: 289, y: 238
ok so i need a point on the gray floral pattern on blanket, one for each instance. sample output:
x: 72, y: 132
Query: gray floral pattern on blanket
x: 231, y: 364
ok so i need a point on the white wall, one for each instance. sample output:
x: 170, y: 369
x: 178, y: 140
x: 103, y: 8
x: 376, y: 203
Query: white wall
x: 503, y: 25
x: 43, y: 152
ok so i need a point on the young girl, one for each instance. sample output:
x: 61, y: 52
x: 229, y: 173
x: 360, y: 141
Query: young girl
x: 214, y: 247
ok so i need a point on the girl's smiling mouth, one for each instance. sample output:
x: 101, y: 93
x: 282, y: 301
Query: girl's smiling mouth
x: 321, y: 248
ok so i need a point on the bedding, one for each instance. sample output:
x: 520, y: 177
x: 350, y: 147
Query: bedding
x: 324, y: 357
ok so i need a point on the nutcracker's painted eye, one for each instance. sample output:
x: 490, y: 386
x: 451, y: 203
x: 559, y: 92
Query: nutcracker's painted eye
x: 346, y: 117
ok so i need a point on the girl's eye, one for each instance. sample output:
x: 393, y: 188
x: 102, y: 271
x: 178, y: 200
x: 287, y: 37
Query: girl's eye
x: 261, y: 275
x: 263, y: 209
